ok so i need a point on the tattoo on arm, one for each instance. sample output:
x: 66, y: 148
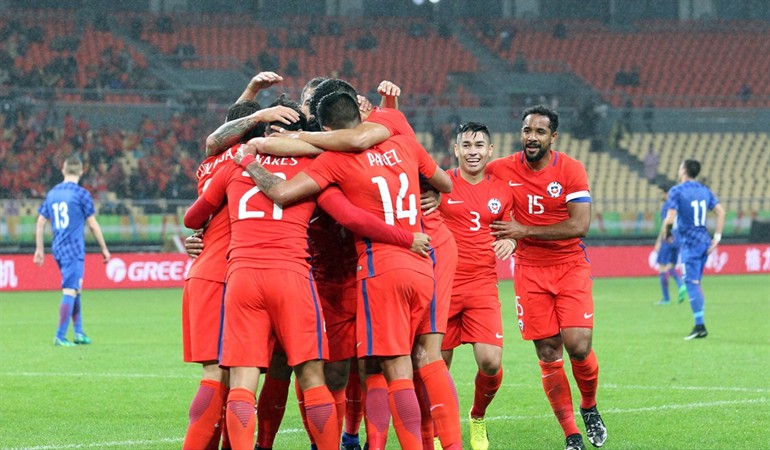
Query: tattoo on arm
x: 264, y: 179
x: 229, y: 133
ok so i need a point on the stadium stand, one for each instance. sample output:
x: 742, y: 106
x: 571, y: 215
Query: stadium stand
x: 676, y: 64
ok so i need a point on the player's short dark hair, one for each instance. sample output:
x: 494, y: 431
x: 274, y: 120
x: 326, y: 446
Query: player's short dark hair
x: 338, y: 110
x: 474, y: 127
x: 327, y: 87
x: 73, y: 166
x: 312, y: 84
x: 301, y: 124
x: 242, y: 109
x: 542, y: 110
x: 691, y: 167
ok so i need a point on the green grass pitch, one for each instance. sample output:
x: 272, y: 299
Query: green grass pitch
x: 130, y: 389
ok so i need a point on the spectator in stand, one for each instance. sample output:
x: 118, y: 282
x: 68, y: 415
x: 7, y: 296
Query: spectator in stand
x: 651, y: 161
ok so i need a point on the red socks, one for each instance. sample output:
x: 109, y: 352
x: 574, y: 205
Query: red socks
x: 270, y: 409
x: 444, y: 406
x: 241, y: 419
x: 406, y: 413
x: 426, y: 420
x: 486, y: 388
x: 206, y: 411
x: 557, y: 390
x: 377, y: 411
x: 322, y: 418
x: 339, y: 406
x: 354, y: 408
x: 586, y: 373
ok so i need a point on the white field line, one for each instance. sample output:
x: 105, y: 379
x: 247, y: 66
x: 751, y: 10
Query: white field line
x: 490, y: 418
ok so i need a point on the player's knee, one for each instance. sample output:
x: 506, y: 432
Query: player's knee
x: 490, y: 367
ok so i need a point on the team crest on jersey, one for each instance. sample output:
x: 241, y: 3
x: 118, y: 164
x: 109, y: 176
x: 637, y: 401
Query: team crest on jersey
x: 554, y: 189
x: 494, y: 206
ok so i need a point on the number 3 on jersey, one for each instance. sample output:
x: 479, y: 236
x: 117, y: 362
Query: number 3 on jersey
x: 387, y: 201
x: 245, y: 213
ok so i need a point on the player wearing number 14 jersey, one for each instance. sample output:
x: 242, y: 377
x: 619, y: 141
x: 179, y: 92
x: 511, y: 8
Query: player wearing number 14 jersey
x: 552, y: 277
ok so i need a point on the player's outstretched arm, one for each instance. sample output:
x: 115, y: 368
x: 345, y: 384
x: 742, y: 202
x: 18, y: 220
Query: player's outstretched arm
x: 229, y: 133
x: 39, y: 247
x: 280, y: 191
x: 575, y: 226
x: 284, y: 146
x: 96, y: 230
x: 198, y: 214
x: 441, y: 181
x: 363, y: 136
x: 262, y: 80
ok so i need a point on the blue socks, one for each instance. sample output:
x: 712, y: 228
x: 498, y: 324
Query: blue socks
x: 65, y: 312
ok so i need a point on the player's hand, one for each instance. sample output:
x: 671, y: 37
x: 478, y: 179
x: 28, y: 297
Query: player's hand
x: 504, y: 248
x: 420, y: 244
x: 388, y: 89
x: 243, y: 150
x: 278, y: 113
x: 284, y: 132
x: 656, y: 247
x: 106, y: 255
x: 264, y: 80
x: 193, y: 245
x: 364, y: 106
x: 712, y: 247
x: 508, y: 230
x: 429, y: 201
x: 38, y: 258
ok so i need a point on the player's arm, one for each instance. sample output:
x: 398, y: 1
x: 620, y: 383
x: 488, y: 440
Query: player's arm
x: 576, y: 225
x: 364, y: 223
x: 39, y: 234
x: 720, y: 226
x: 96, y: 230
x: 389, y: 92
x: 281, y: 192
x: 198, y: 214
x: 363, y: 136
x: 229, y: 133
x: 667, y: 226
x: 283, y: 146
x: 260, y: 81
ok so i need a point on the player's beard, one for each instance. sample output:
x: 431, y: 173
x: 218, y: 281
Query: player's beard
x: 537, y: 156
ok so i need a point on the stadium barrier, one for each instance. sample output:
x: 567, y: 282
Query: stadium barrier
x: 168, y: 270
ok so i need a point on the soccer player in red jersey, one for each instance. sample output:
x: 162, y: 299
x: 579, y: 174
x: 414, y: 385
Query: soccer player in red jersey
x: 477, y: 199
x: 552, y: 211
x: 441, y: 402
x: 202, y: 298
x: 394, y: 287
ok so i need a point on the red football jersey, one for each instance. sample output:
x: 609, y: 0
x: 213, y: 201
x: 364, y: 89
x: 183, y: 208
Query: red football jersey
x: 332, y: 247
x: 383, y: 180
x: 263, y: 235
x: 540, y: 198
x: 211, y: 264
x: 468, y: 210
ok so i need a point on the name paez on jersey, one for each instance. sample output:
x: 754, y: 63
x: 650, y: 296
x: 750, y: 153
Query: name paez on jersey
x: 389, y: 158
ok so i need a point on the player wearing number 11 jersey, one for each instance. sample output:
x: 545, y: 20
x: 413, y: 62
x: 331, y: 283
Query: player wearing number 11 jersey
x: 552, y: 277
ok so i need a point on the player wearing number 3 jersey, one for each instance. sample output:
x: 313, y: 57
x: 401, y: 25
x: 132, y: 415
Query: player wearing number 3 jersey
x: 552, y: 277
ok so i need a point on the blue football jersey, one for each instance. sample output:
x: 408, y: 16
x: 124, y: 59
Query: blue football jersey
x: 68, y: 206
x: 692, y: 202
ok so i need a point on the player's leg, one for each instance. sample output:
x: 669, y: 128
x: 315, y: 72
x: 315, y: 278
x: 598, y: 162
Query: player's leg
x: 375, y: 400
x: 403, y: 400
x: 77, y: 322
x: 354, y: 408
x: 672, y: 271
x: 694, y: 262
x: 241, y: 420
x: 537, y: 321
x: 201, y: 314
x: 664, y: 254
x: 337, y: 374
x: 72, y: 277
x: 319, y: 404
x: 271, y: 404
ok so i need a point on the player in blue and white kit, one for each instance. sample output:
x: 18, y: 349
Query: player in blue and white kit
x: 69, y: 207
x: 690, y: 202
x: 668, y: 255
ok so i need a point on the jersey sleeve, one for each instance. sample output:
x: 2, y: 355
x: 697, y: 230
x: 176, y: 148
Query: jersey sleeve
x: 392, y: 119
x: 427, y: 165
x: 88, y: 204
x: 577, y: 189
x: 45, y: 209
x: 326, y: 169
x: 713, y: 201
x: 673, y: 199
x: 215, y: 191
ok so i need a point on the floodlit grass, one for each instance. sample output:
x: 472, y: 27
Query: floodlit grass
x: 130, y: 389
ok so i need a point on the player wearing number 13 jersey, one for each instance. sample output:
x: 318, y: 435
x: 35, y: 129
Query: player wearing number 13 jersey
x: 552, y: 277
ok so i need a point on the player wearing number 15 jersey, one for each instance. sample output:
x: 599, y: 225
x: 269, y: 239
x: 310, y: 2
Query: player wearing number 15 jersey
x: 552, y: 277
